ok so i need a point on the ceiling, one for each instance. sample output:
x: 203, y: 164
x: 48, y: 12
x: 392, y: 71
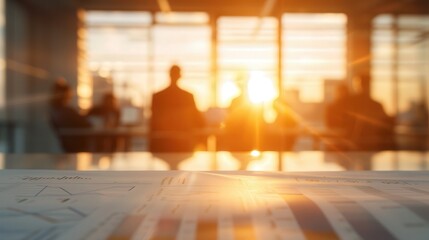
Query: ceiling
x: 246, y: 7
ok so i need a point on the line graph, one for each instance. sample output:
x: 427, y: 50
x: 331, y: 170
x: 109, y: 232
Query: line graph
x: 56, y: 215
x: 72, y: 190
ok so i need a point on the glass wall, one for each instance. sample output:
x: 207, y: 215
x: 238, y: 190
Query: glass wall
x: 314, y: 50
x: 118, y: 48
x: 247, y: 51
x: 134, y: 50
x: 183, y: 39
x: 400, y: 58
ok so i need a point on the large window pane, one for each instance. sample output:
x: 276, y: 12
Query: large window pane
x: 400, y: 52
x: 246, y: 49
x: 135, y: 51
x: 118, y: 48
x: 186, y: 42
x: 314, y: 50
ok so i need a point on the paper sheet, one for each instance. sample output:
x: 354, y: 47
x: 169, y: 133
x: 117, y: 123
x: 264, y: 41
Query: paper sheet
x: 213, y: 205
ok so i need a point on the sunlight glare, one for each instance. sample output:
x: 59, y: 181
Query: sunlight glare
x: 255, y: 153
x: 228, y: 91
x: 260, y: 88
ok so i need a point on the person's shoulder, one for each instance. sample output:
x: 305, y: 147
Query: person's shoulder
x: 161, y: 93
x: 188, y: 94
x: 377, y: 104
x: 183, y: 94
x: 357, y: 100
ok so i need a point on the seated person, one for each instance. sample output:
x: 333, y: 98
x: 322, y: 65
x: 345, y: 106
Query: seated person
x: 243, y: 125
x: 370, y: 127
x: 336, y: 116
x: 63, y: 116
x: 287, y: 121
x: 339, y: 120
x: 108, y: 112
x: 175, y: 118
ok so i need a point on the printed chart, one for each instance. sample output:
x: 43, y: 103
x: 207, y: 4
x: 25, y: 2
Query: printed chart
x: 213, y: 205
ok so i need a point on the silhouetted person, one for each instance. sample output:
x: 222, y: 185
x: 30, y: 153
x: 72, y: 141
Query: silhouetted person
x: 371, y: 127
x: 107, y: 110
x: 419, y: 115
x: 287, y: 121
x: 175, y: 118
x: 339, y: 119
x: 63, y: 116
x: 336, y: 116
x: 109, y: 113
x: 244, y: 124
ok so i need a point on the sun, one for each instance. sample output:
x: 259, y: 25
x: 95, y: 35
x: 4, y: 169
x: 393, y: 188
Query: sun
x: 260, y: 88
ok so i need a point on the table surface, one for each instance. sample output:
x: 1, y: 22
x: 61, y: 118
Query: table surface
x: 43, y: 204
x: 228, y: 161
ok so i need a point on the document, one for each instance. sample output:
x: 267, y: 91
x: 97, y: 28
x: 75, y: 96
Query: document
x: 43, y: 204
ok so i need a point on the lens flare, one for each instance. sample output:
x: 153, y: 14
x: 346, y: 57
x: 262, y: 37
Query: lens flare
x: 260, y: 88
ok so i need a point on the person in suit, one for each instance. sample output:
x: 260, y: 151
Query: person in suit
x: 175, y: 118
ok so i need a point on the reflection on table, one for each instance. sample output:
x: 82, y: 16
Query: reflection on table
x: 275, y: 139
x: 226, y: 161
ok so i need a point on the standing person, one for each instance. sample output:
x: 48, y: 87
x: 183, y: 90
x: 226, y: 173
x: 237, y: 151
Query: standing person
x: 174, y: 118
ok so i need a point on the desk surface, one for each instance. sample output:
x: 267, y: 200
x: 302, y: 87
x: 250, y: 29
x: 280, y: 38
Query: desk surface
x: 228, y: 161
x: 41, y: 204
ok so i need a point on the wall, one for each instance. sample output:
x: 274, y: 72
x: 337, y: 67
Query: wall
x: 41, y: 44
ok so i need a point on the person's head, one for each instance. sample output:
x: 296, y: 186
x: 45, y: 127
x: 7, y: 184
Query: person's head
x: 61, y: 93
x: 362, y: 83
x: 109, y: 100
x: 175, y: 74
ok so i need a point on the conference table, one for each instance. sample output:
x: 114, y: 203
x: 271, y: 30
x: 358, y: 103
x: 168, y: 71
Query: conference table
x: 215, y: 195
x: 223, y: 161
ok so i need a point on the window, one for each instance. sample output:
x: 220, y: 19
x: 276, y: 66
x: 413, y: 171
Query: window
x: 118, y: 51
x: 247, y: 50
x: 314, y: 50
x: 134, y: 50
x: 400, y: 56
x: 183, y: 39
